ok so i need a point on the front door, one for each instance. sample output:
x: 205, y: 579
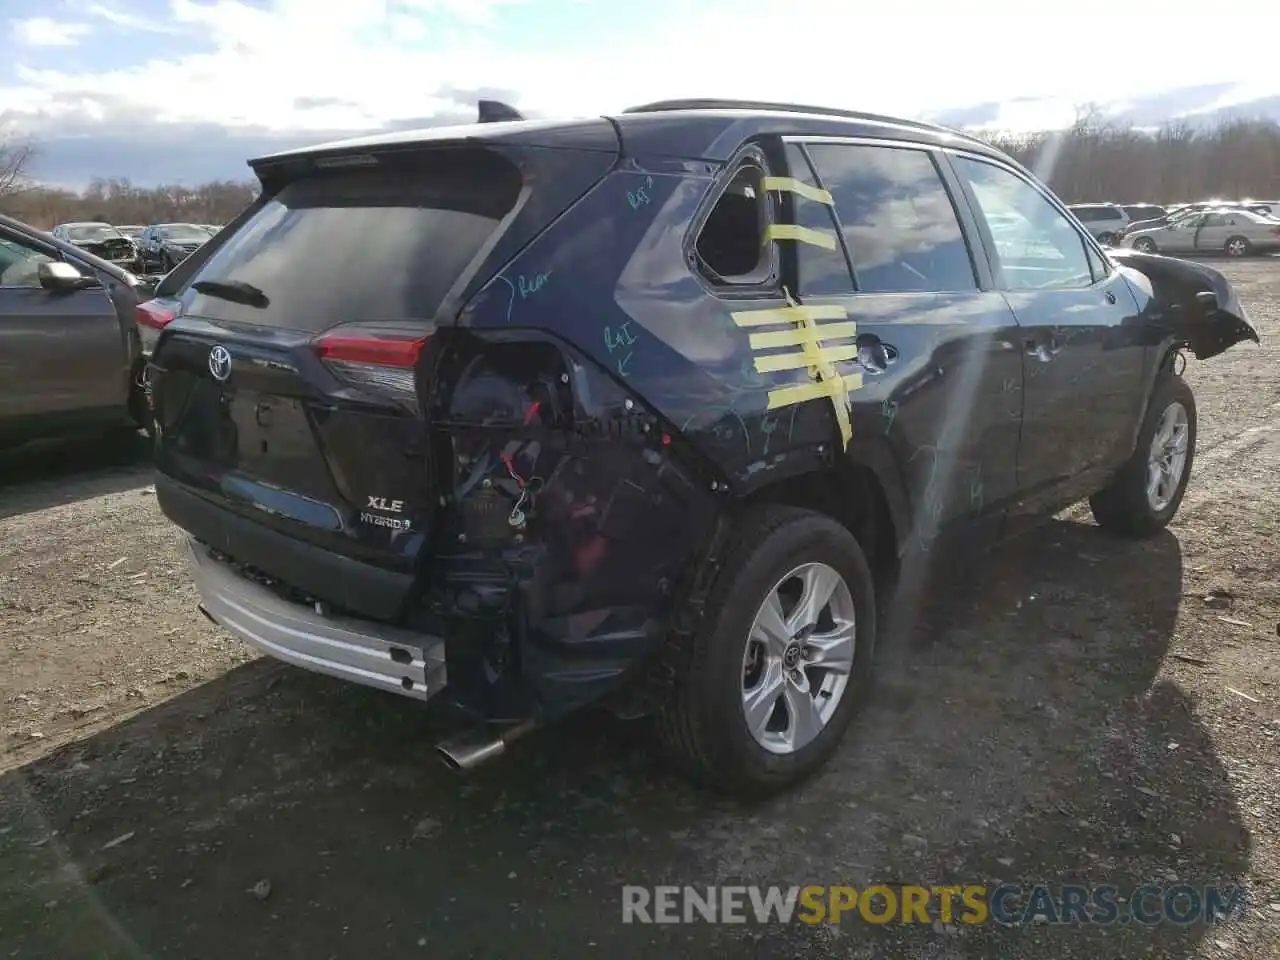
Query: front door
x: 61, y: 352
x: 1082, y: 347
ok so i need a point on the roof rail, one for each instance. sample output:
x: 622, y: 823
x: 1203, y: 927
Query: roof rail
x: 763, y: 105
x: 495, y: 111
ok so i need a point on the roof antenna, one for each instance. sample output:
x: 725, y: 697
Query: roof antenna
x: 495, y: 111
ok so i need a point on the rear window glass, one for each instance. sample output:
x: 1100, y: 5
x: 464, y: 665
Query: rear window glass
x: 1144, y: 213
x: 93, y: 233
x: 377, y: 243
x: 182, y: 231
x: 1087, y: 212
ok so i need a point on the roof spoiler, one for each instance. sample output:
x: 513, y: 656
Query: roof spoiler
x: 495, y: 111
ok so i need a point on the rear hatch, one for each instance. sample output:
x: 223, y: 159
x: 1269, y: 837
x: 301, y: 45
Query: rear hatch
x: 285, y: 387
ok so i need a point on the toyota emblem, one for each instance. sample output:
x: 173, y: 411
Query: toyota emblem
x: 220, y: 362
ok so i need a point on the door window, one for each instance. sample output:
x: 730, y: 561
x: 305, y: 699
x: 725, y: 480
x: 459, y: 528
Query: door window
x: 897, y: 219
x: 821, y: 269
x: 1036, y: 246
x: 20, y: 262
x: 1214, y: 220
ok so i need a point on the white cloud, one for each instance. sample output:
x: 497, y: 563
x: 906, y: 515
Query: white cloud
x: 130, y: 21
x: 382, y: 61
x: 44, y: 32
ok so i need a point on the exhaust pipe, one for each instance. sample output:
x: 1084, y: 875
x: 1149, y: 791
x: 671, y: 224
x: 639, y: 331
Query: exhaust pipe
x: 470, y: 749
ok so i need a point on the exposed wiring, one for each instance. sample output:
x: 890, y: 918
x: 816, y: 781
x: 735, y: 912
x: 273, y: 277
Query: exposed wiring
x: 518, y: 516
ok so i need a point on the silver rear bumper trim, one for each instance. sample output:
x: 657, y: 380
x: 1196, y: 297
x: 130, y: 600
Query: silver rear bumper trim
x: 364, y: 652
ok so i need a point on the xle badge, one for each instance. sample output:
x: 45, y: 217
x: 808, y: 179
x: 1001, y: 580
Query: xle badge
x: 389, y: 506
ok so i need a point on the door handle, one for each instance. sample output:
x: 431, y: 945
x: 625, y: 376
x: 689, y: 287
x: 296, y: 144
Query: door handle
x: 874, y: 355
x: 1042, y: 350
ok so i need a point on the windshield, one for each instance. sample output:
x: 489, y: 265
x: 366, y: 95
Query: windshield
x: 183, y: 231
x: 92, y: 232
x: 361, y: 245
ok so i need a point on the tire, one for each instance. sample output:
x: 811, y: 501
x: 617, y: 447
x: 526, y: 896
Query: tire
x: 1237, y: 247
x: 1145, y: 245
x: 1124, y: 507
x: 1106, y: 238
x: 704, y: 724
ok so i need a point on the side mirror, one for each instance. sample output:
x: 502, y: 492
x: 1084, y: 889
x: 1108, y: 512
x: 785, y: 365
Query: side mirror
x: 1207, y: 301
x: 56, y: 275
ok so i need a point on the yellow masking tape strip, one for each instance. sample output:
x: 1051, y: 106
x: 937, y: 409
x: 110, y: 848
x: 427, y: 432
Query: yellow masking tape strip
x: 786, y: 396
x: 791, y: 185
x: 799, y: 336
x: 762, y: 318
x: 809, y: 358
x: 791, y: 231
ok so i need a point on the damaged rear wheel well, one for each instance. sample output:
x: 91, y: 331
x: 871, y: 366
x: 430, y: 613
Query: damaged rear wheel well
x: 852, y: 496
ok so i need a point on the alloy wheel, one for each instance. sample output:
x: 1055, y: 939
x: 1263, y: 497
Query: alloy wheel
x: 799, y: 658
x: 1168, y: 457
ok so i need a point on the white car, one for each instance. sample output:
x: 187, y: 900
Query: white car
x: 1106, y: 221
x: 1237, y: 233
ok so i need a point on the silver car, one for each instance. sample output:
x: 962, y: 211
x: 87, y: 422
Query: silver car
x: 1237, y: 233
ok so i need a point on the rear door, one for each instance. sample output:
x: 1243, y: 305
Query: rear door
x: 1213, y: 231
x: 1082, y: 349
x: 1179, y: 237
x: 61, y: 353
x: 936, y: 346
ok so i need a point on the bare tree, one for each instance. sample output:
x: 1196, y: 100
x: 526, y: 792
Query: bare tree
x: 16, y: 156
x: 1093, y: 159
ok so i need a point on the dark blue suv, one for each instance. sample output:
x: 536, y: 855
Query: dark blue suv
x: 652, y: 411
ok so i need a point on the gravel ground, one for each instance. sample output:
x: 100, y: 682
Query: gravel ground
x: 1074, y: 709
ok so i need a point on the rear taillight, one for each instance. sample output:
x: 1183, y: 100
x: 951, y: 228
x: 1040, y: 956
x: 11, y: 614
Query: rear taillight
x: 382, y: 360
x: 1276, y: 232
x: 150, y: 318
x: 154, y: 314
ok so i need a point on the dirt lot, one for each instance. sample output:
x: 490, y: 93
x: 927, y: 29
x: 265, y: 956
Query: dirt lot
x: 1076, y: 710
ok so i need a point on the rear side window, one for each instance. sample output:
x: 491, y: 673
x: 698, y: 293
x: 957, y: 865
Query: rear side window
x: 378, y: 243
x: 897, y: 218
x: 732, y: 246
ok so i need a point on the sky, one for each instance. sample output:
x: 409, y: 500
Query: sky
x: 186, y: 90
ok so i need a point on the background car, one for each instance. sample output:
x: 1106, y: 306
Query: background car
x: 1106, y: 221
x: 165, y: 245
x: 1138, y: 212
x: 102, y: 240
x: 132, y: 231
x: 1235, y: 232
x: 69, y: 358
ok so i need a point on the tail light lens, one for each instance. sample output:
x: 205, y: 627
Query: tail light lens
x: 380, y: 359
x: 150, y: 318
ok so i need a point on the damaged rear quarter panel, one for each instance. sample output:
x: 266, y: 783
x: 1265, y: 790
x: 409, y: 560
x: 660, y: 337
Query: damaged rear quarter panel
x: 620, y: 419
x: 568, y: 524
